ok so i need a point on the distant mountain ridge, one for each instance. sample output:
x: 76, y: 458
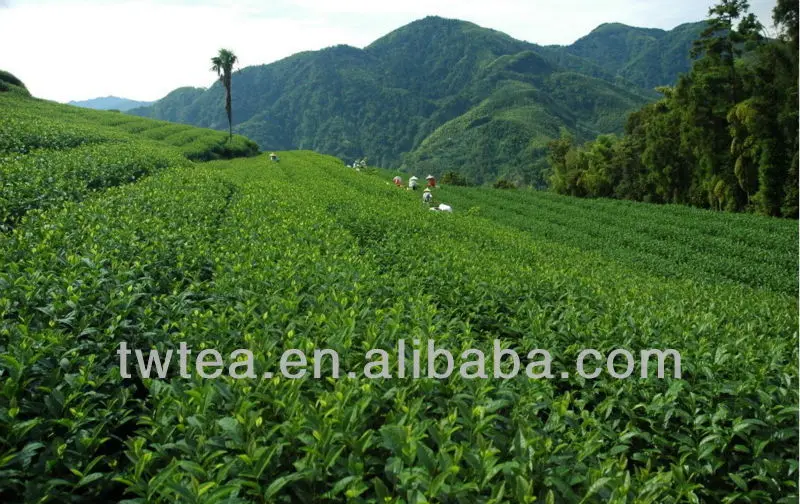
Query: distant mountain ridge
x: 111, y: 103
x: 647, y: 57
x: 442, y: 94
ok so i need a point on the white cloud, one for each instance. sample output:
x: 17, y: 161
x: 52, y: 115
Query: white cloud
x: 78, y: 49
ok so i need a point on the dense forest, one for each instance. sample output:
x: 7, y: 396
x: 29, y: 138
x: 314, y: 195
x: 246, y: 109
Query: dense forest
x: 440, y: 95
x: 725, y: 136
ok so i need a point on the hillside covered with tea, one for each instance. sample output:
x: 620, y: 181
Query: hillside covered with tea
x: 116, y: 231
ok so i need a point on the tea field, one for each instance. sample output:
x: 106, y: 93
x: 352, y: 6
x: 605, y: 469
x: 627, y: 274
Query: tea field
x: 306, y: 253
x: 667, y: 240
x: 52, y: 153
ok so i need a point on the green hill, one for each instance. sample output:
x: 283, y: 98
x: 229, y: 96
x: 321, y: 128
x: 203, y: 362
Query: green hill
x: 646, y: 57
x: 390, y: 100
x: 173, y: 106
x: 507, y: 133
x: 52, y: 153
x: 110, y: 103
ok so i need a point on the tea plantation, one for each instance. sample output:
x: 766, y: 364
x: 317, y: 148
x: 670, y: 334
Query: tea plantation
x: 112, y: 234
x: 52, y: 153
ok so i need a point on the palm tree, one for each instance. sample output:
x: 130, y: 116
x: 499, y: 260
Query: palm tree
x: 223, y: 63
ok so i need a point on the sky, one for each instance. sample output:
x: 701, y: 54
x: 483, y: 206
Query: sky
x: 143, y: 49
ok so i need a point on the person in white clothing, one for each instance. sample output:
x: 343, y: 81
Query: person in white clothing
x: 442, y: 208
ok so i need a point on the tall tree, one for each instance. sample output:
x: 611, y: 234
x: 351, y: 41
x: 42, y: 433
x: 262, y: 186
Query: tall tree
x: 560, y: 179
x: 785, y: 15
x: 223, y: 63
x: 706, y: 96
x: 721, y: 42
x: 745, y: 149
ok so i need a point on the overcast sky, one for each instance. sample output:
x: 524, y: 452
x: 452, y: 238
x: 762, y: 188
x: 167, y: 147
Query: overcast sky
x: 78, y: 49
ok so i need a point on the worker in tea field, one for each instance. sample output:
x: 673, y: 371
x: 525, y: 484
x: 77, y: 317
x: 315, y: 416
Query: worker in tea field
x: 273, y: 157
x: 431, y: 181
x: 427, y: 196
x: 412, y: 183
x: 398, y: 181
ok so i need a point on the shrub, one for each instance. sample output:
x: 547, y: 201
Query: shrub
x: 454, y: 178
x: 9, y: 78
x: 504, y: 183
x: 9, y: 83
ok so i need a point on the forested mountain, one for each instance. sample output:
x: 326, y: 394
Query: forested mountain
x: 110, y: 103
x: 646, y: 57
x: 174, y: 107
x: 435, y: 95
x: 724, y: 137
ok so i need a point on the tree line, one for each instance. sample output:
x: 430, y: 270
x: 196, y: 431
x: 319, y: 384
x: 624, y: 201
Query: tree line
x: 724, y: 137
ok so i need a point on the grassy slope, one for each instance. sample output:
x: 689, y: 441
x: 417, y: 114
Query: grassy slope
x: 307, y: 253
x: 197, y: 144
x: 52, y: 153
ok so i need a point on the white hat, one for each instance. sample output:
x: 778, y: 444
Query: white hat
x: 413, y: 178
x: 429, y: 177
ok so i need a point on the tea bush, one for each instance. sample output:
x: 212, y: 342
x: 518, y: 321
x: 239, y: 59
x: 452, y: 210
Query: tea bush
x: 668, y: 240
x: 46, y: 124
x: 52, y: 153
x: 308, y: 254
